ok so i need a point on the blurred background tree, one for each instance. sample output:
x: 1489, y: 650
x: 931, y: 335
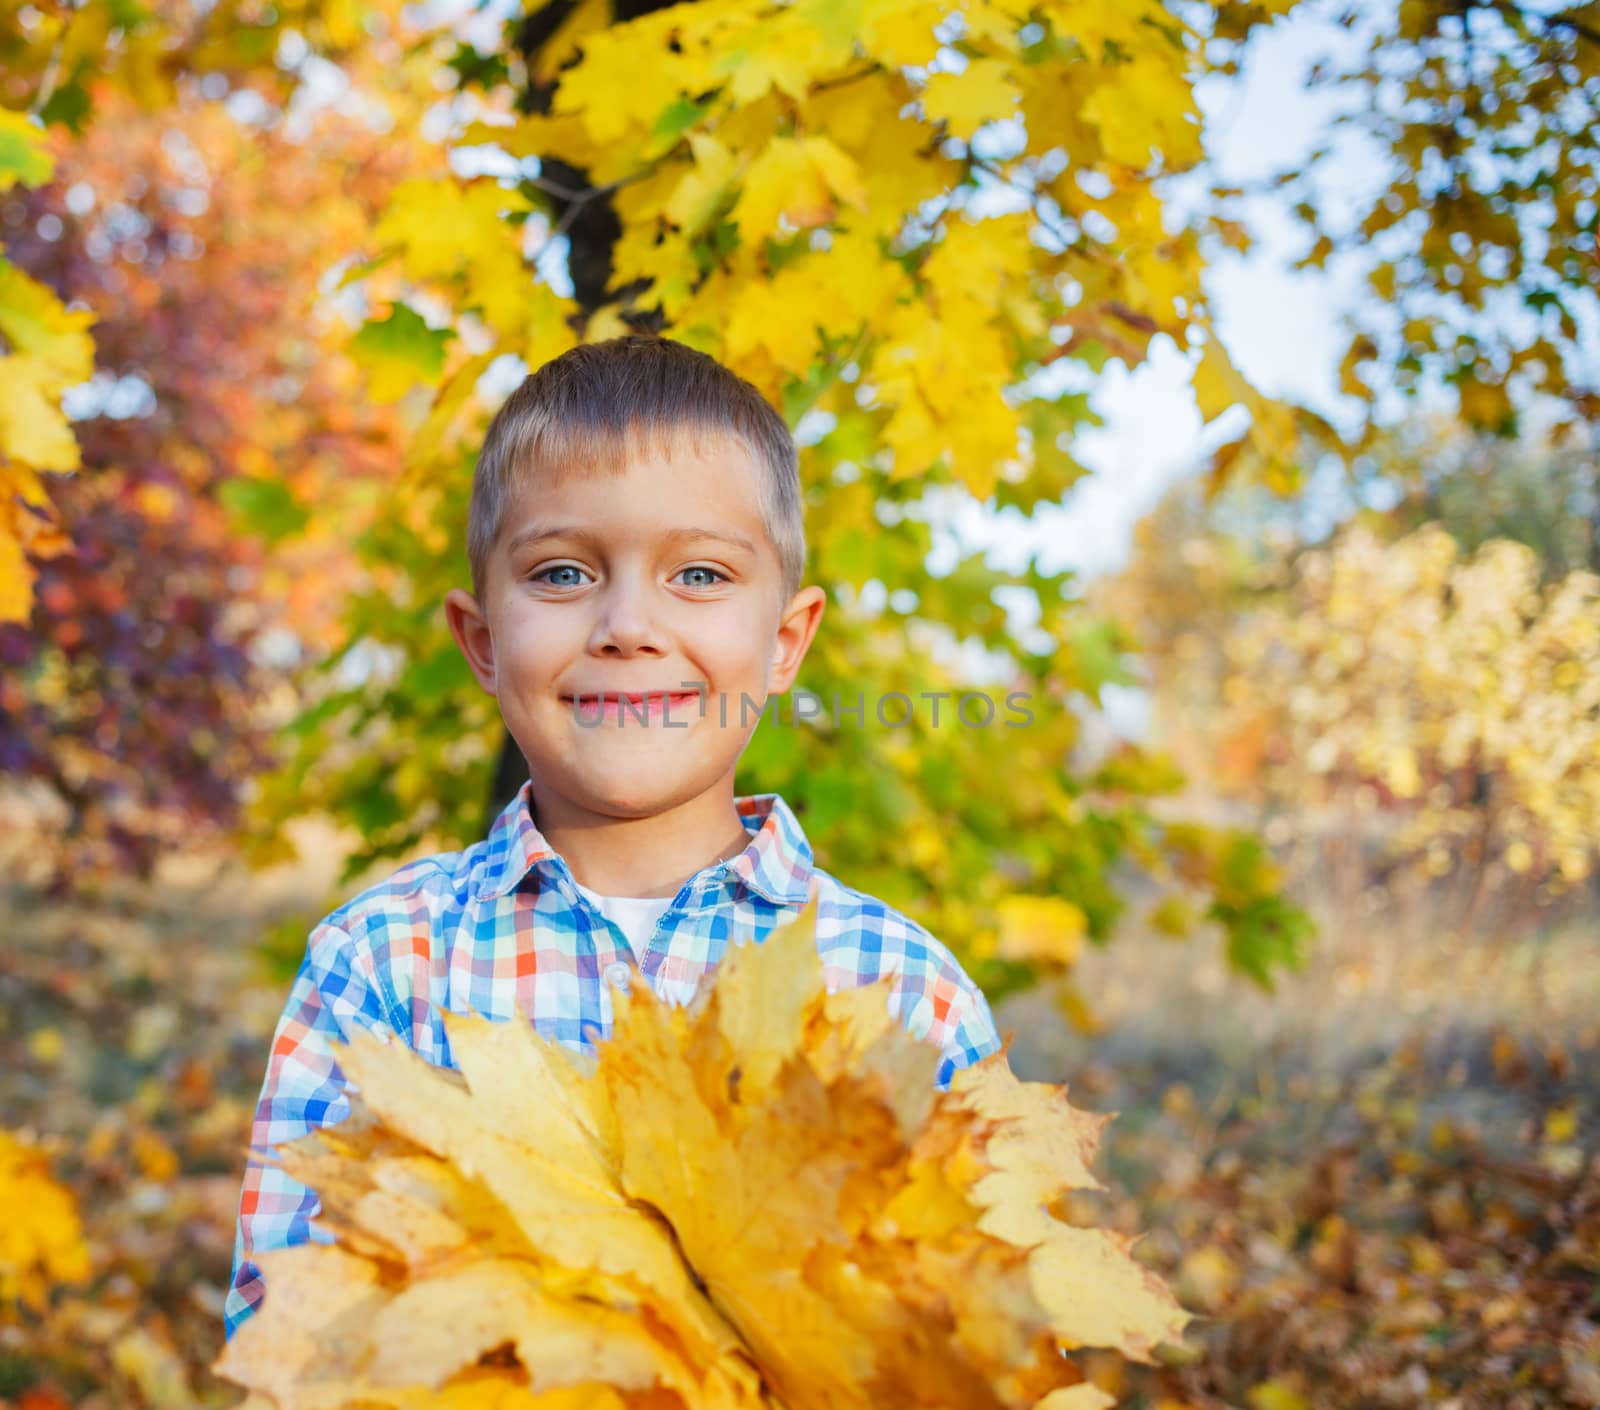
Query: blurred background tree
x: 1406, y: 706
x: 57, y: 62
x: 219, y: 425
x: 1542, y: 490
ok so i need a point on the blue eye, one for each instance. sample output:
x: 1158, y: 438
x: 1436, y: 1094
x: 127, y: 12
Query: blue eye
x: 701, y: 568
x: 543, y: 574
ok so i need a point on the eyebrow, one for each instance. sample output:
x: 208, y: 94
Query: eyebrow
x: 577, y: 531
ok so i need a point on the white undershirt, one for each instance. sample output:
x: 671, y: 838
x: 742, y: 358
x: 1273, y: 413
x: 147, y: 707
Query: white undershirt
x: 636, y: 916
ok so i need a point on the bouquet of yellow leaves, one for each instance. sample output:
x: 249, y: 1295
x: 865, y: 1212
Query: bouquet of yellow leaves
x: 757, y: 1200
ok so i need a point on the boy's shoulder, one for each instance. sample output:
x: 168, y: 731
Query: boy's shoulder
x: 844, y: 909
x: 432, y: 885
x: 855, y: 926
x: 862, y: 938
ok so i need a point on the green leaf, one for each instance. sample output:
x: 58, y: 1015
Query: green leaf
x: 437, y: 676
x: 23, y: 155
x: 675, y: 120
x: 374, y: 809
x: 1092, y: 353
x: 264, y: 509
x: 852, y: 438
x: 70, y: 104
x: 1051, y: 425
x: 130, y: 15
x: 1099, y: 657
x: 1267, y: 934
x: 400, y: 351
x: 477, y: 70
x: 785, y: 251
x: 1265, y: 930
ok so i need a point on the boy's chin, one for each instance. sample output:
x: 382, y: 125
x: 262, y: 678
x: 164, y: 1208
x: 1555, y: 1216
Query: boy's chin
x: 629, y: 800
x: 643, y: 784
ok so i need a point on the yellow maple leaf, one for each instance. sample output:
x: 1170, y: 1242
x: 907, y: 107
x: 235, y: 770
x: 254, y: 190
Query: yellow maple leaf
x: 1147, y: 107
x: 758, y: 1199
x: 907, y: 167
x: 1217, y: 383
x: 586, y: 18
x: 901, y: 32
x: 544, y: 135
x: 24, y: 535
x: 440, y: 224
x: 33, y: 427
x: 837, y: 291
x: 698, y: 192
x: 457, y: 390
x: 982, y: 92
x: 802, y: 179
x: 785, y: 50
x: 41, y: 1242
x: 48, y: 350
x: 632, y: 72
x: 1273, y: 437
x: 37, y: 325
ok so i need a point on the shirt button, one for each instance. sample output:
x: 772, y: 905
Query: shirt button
x: 617, y: 975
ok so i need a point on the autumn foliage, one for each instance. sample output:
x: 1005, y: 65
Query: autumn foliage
x: 41, y: 1245
x: 1421, y: 718
x: 757, y: 1200
x: 59, y: 64
x: 925, y: 230
x: 139, y: 702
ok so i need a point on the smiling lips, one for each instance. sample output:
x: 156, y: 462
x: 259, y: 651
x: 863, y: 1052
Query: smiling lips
x: 642, y: 706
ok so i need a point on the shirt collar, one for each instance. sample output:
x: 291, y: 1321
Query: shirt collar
x: 776, y: 865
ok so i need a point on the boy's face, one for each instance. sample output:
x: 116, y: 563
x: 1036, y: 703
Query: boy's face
x: 653, y: 581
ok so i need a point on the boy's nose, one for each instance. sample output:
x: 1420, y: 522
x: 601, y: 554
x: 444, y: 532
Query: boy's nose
x: 626, y: 622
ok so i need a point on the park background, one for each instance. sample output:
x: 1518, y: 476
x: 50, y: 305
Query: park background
x: 1224, y: 376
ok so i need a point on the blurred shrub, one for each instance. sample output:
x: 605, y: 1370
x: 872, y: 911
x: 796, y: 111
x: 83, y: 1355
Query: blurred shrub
x: 1410, y: 720
x: 1540, y: 491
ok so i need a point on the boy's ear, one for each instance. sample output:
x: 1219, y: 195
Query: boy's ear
x: 795, y: 630
x: 470, y: 627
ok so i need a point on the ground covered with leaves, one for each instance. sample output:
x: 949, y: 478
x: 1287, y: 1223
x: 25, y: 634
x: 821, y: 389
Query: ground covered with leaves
x: 1417, y: 1224
x: 1419, y: 1230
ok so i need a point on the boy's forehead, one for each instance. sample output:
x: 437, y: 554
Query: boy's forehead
x: 686, y: 456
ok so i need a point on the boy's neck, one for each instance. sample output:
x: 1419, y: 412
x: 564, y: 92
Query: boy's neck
x: 650, y: 856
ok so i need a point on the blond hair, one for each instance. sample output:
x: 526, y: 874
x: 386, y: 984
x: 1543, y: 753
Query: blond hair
x: 590, y: 409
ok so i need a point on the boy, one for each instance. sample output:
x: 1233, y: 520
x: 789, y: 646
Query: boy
x: 637, y: 548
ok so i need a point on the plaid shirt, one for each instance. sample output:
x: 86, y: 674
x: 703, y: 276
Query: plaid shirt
x: 500, y: 928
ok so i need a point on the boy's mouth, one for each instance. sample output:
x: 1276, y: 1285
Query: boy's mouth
x: 646, y: 704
